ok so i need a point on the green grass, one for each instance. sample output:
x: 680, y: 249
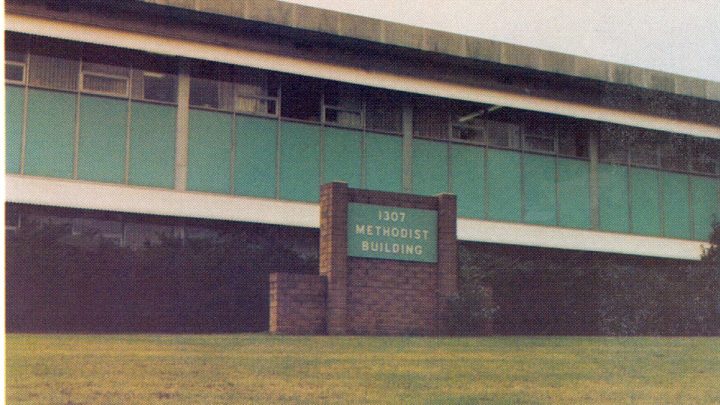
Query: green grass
x: 187, y: 369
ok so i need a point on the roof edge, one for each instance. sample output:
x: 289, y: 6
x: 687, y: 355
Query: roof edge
x: 429, y: 40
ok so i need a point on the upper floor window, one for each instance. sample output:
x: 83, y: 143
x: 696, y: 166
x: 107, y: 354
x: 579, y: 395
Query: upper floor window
x: 256, y: 92
x: 301, y: 98
x: 105, y: 79
x: 53, y: 73
x: 468, y: 124
x: 705, y: 156
x: 644, y: 149
x: 243, y: 90
x: 383, y: 111
x: 431, y: 117
x: 342, y: 105
x: 613, y: 145
x: 674, y: 152
x: 572, y: 138
x: 15, y: 67
x: 539, y: 136
x: 153, y: 86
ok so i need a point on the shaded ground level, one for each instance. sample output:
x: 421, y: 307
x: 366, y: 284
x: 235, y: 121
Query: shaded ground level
x: 257, y: 368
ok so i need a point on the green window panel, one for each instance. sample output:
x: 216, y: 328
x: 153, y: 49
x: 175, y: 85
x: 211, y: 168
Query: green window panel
x: 574, y: 193
x: 645, y: 201
x: 152, y: 145
x: 613, y: 188
x: 539, y: 183
x: 299, y: 161
x: 705, y: 205
x: 467, y: 179
x: 255, y: 156
x: 503, y: 185
x: 342, y: 156
x: 676, y: 201
x: 49, y: 147
x: 429, y: 167
x: 209, y: 151
x: 14, y: 100
x: 103, y: 131
x: 383, y: 162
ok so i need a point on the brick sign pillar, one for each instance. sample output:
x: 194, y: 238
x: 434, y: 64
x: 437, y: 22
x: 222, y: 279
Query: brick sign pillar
x: 393, y: 269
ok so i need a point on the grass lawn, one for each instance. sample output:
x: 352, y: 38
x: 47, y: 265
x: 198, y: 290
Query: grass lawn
x: 191, y: 369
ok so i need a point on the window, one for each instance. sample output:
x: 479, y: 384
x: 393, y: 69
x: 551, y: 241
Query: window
x: 613, y: 146
x: 674, y: 153
x: 255, y: 92
x: 539, y: 132
x: 104, y: 79
x: 301, y: 98
x: 431, y: 118
x: 154, y: 86
x: 540, y: 139
x: 573, y: 138
x: 503, y: 134
x: 14, y: 67
x: 468, y: 124
x: 343, y: 105
x: 204, y: 93
x: 644, y: 149
x: 53, y: 73
x: 705, y: 155
x: 383, y: 111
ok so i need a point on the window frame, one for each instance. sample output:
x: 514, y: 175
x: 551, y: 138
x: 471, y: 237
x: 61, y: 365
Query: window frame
x: 83, y: 88
x: 23, y: 65
x: 157, y: 75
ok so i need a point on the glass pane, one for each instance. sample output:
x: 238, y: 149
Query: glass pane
x: 343, y: 118
x: 613, y: 146
x: 643, y: 150
x: 674, y: 153
x: 431, y: 118
x: 104, y: 84
x: 301, y: 98
x: 204, y: 93
x: 253, y: 82
x: 541, y: 144
x: 573, y: 145
x: 15, y: 73
x: 159, y: 87
x: 473, y: 134
x: 255, y: 105
x: 383, y: 112
x: 344, y: 97
x: 705, y: 157
x: 503, y: 134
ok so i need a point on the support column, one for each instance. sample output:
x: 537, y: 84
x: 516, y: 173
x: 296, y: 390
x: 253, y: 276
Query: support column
x: 447, y: 258
x: 182, y: 130
x: 333, y: 253
x: 407, y: 131
x: 593, y: 148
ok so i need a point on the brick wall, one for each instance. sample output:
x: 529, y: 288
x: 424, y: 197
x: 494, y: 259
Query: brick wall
x: 385, y: 297
x: 297, y: 304
x: 362, y: 296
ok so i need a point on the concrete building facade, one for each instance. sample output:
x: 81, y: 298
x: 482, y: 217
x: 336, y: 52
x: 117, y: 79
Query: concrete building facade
x: 239, y: 111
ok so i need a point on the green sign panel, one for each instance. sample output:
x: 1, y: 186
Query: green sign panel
x: 384, y: 232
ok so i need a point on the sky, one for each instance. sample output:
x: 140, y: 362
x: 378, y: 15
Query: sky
x: 675, y: 36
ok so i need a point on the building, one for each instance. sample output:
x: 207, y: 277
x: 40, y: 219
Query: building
x: 120, y: 114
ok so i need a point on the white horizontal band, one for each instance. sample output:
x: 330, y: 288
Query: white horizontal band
x: 287, y: 64
x: 144, y: 200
